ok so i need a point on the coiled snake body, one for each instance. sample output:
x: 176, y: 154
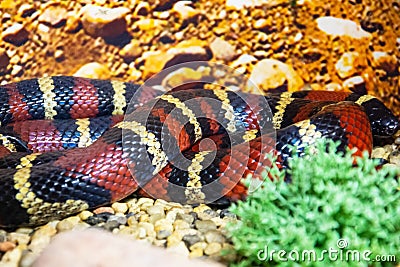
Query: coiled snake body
x: 65, y: 148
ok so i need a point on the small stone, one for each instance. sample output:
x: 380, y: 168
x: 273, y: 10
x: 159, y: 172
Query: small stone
x: 149, y: 229
x: 243, y: 4
x: 26, y: 10
x: 12, y: 257
x: 156, y: 209
x: 189, y: 219
x: 204, y: 226
x: 243, y: 60
x: 41, y: 237
x: 174, y: 239
x: 54, y: 15
x: 19, y: 238
x: 131, y: 51
x: 201, y: 208
x: 59, y: 55
x: 212, y: 248
x: 147, y: 24
x: 395, y: 159
x: 4, y: 59
x: 355, y: 84
x: 15, y: 34
x: 163, y: 228
x: 94, y: 70
x: 341, y: 27
x: 104, y: 22
x: 121, y: 219
x: 184, y: 10
x: 379, y: 153
x: 181, y: 224
x: 333, y: 87
x: 28, y: 259
x: 222, y: 49
x: 84, y: 215
x: 191, y: 239
x: 73, y: 22
x: 196, y: 253
x: 207, y: 214
x: 171, y: 214
x: 119, y: 207
x: 145, y: 201
x: 346, y: 66
x: 179, y: 248
x: 142, y: 9
x: 397, y: 140
x: 16, y: 70
x: 68, y: 223
x: 6, y: 246
x: 271, y: 74
x: 214, y: 237
x: 384, y: 61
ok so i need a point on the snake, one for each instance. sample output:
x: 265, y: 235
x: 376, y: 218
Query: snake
x: 68, y: 144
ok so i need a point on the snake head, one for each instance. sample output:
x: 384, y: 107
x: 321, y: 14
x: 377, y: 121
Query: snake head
x: 383, y: 122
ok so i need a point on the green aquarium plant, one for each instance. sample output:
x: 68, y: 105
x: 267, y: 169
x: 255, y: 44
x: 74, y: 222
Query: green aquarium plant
x: 331, y: 213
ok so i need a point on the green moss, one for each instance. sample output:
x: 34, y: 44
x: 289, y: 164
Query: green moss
x: 328, y: 199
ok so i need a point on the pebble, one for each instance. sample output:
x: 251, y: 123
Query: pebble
x: 16, y: 70
x: 212, y: 248
x: 355, y: 84
x: 156, y: 209
x: 41, y: 237
x: 119, y: 207
x: 19, y: 238
x: 142, y: 9
x: 384, y: 61
x: 272, y: 73
x: 131, y: 51
x: 204, y: 226
x: 189, y: 219
x: 196, y: 253
x: 68, y: 223
x: 6, y: 246
x: 84, y: 215
x: 222, y: 49
x: 214, y: 236
x: 15, y: 34
x: 59, y: 55
x: 181, y: 224
x: 163, y: 228
x: 96, y: 71
x: 4, y: 59
x: 174, y: 239
x: 207, y: 214
x: 179, y: 248
x: 54, y: 15
x: 26, y: 10
x: 12, y: 257
x: 184, y: 10
x: 347, y: 64
x: 191, y: 239
x: 341, y: 27
x: 104, y: 22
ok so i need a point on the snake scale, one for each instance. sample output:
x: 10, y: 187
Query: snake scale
x: 69, y: 143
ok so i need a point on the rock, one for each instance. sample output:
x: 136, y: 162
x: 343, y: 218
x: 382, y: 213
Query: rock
x: 142, y: 9
x: 131, y: 51
x: 41, y: 237
x: 120, y: 219
x: 6, y: 246
x: 163, y: 228
x: 149, y: 229
x: 185, y: 11
x: 84, y: 215
x: 119, y: 207
x: 68, y: 223
x: 19, y: 238
x: 181, y: 224
x: 26, y: 10
x: 214, y: 237
x: 186, y: 51
x: 147, y: 24
x: 384, y: 61
x: 4, y: 59
x: 243, y: 60
x: 104, y: 22
x: 395, y: 159
x: 196, y: 253
x: 341, y: 27
x: 379, y: 152
x: 12, y: 257
x: 355, y: 84
x: 221, y: 49
x: 180, y: 248
x: 191, y: 239
x: 271, y: 74
x: 207, y: 214
x: 242, y: 4
x: 87, y: 248
x: 54, y: 15
x: 16, y: 70
x: 73, y: 22
x: 59, y: 55
x: 204, y: 226
x: 145, y: 201
x: 185, y: 217
x: 174, y: 239
x: 212, y: 248
x: 15, y: 34
x: 171, y: 214
x: 27, y: 259
x: 347, y: 64
x: 96, y: 71
x: 156, y: 209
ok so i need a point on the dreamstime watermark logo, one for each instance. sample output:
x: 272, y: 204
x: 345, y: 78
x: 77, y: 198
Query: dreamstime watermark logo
x: 340, y: 253
x: 157, y: 135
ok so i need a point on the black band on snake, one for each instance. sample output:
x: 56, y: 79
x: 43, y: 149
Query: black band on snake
x: 66, y: 147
